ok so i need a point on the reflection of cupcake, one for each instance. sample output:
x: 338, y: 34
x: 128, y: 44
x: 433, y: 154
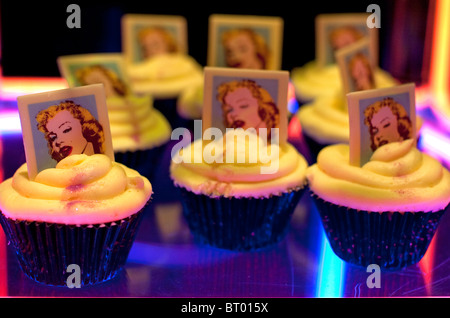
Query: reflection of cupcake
x: 165, y: 77
x: 239, y: 206
x: 139, y: 132
x: 325, y: 121
x: 84, y: 212
x: 385, y: 212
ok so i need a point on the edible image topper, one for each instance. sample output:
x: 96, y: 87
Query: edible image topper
x: 238, y: 98
x: 356, y: 66
x: 253, y: 42
x: 61, y: 123
x: 378, y: 117
x: 147, y: 35
x: 86, y: 69
x: 337, y: 30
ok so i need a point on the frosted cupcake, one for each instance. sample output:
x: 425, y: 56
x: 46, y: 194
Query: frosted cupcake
x: 385, y: 212
x: 237, y: 206
x: 325, y: 121
x: 86, y: 212
x: 139, y: 132
x: 165, y: 77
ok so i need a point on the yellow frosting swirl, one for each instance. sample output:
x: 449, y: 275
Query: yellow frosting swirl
x: 398, y: 177
x: 244, y: 171
x: 311, y: 81
x: 165, y: 75
x: 135, y: 124
x: 81, y: 189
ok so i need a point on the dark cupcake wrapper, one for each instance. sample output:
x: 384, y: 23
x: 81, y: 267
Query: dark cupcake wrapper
x: 145, y: 161
x: 168, y: 107
x: 239, y: 224
x: 392, y: 240
x: 45, y: 250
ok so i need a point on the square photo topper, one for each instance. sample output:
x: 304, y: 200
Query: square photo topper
x: 378, y: 117
x: 60, y: 123
x: 147, y: 35
x: 240, y: 41
x: 356, y: 66
x: 336, y: 30
x: 87, y: 69
x: 243, y: 98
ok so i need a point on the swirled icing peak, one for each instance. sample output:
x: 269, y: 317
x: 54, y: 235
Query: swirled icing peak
x: 253, y: 168
x: 398, y: 177
x: 81, y: 189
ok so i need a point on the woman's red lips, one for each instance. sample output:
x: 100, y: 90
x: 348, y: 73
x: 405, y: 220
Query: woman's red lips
x: 66, y: 151
x: 382, y: 143
x: 237, y: 124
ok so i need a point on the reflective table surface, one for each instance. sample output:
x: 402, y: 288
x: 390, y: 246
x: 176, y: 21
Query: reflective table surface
x: 166, y: 262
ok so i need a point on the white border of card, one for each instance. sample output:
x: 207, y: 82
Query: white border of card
x: 129, y: 21
x: 273, y: 25
x: 214, y: 76
x: 324, y: 52
x: 38, y: 157
x: 65, y: 63
x: 360, y: 140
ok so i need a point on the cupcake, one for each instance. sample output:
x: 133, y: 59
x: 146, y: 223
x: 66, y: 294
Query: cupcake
x: 385, y: 212
x: 325, y: 121
x: 239, y: 206
x: 139, y: 132
x: 84, y: 212
x: 165, y: 77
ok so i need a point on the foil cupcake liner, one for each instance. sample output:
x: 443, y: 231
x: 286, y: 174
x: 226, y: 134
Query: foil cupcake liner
x: 146, y: 161
x: 392, y: 240
x: 45, y: 250
x: 239, y: 224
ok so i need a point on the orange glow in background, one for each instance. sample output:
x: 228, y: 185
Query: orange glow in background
x: 437, y: 90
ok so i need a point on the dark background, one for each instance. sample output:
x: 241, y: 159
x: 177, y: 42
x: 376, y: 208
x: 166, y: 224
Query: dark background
x: 34, y: 34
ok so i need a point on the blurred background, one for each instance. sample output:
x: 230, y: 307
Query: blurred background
x: 34, y: 34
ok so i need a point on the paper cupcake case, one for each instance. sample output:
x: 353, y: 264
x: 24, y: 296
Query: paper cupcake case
x: 239, y: 224
x: 392, y: 240
x: 45, y: 250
